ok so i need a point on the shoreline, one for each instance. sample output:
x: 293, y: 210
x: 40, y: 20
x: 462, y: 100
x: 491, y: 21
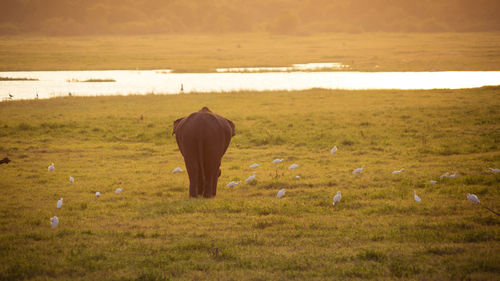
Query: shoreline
x: 264, y: 92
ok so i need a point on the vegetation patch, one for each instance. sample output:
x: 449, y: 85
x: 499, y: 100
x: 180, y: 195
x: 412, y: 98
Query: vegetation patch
x: 17, y: 79
x: 92, y: 80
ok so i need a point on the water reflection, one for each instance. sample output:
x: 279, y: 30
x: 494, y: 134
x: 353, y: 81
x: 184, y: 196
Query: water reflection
x: 295, y: 67
x: 54, y: 83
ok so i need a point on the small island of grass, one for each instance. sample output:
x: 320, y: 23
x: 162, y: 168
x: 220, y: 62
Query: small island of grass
x: 17, y: 79
x: 92, y: 80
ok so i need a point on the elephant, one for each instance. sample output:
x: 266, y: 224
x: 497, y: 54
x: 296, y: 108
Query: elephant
x: 203, y: 137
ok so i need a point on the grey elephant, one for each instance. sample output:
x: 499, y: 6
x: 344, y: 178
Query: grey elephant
x: 203, y: 137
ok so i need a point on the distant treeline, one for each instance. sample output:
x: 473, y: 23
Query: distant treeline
x: 90, y: 17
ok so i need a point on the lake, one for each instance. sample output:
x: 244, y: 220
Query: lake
x: 62, y: 83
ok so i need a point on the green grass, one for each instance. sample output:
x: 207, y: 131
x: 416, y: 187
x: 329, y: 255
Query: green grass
x: 204, y: 53
x: 153, y: 231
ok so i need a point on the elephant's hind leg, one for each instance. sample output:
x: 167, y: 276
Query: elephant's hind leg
x: 195, y: 183
x: 212, y: 173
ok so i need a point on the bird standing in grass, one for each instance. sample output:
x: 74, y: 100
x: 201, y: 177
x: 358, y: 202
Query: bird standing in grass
x: 97, y: 194
x: 251, y: 178
x: 232, y: 184
x: 277, y: 161
x: 398, y: 172
x: 54, y: 221
x: 51, y: 167
x: 293, y: 166
x: 254, y: 165
x: 494, y: 170
x: 71, y: 179
x: 447, y: 175
x: 473, y: 198
x: 336, y: 198
x: 59, y: 203
x: 415, y: 196
x: 6, y: 160
x: 177, y: 170
x: 334, y: 149
x: 358, y: 170
x: 118, y: 190
x: 281, y: 193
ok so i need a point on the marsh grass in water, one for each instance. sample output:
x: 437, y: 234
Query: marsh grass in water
x: 17, y: 79
x: 153, y: 231
x: 92, y: 80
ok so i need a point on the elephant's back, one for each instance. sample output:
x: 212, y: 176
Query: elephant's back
x: 201, y: 124
x: 204, y: 136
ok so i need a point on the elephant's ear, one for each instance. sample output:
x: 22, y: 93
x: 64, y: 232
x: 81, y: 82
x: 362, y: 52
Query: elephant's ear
x: 176, y: 124
x: 233, y: 132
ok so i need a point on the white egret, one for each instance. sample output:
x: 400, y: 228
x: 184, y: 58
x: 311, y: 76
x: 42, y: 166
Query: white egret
x: 447, y: 175
x: 397, y: 172
x: 59, y: 203
x: 473, y: 198
x: 336, y: 198
x: 118, y: 190
x: 254, y: 165
x: 277, y: 160
x: 54, y: 221
x: 334, y: 149
x: 177, y: 170
x: 415, y: 196
x: 97, y: 194
x: 494, y: 170
x: 293, y: 166
x: 280, y: 193
x: 71, y: 179
x: 358, y: 170
x: 251, y: 178
x: 297, y: 177
x: 233, y: 184
x: 51, y: 167
x: 431, y: 182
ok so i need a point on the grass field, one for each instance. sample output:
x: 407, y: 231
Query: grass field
x: 204, y: 53
x: 153, y: 231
